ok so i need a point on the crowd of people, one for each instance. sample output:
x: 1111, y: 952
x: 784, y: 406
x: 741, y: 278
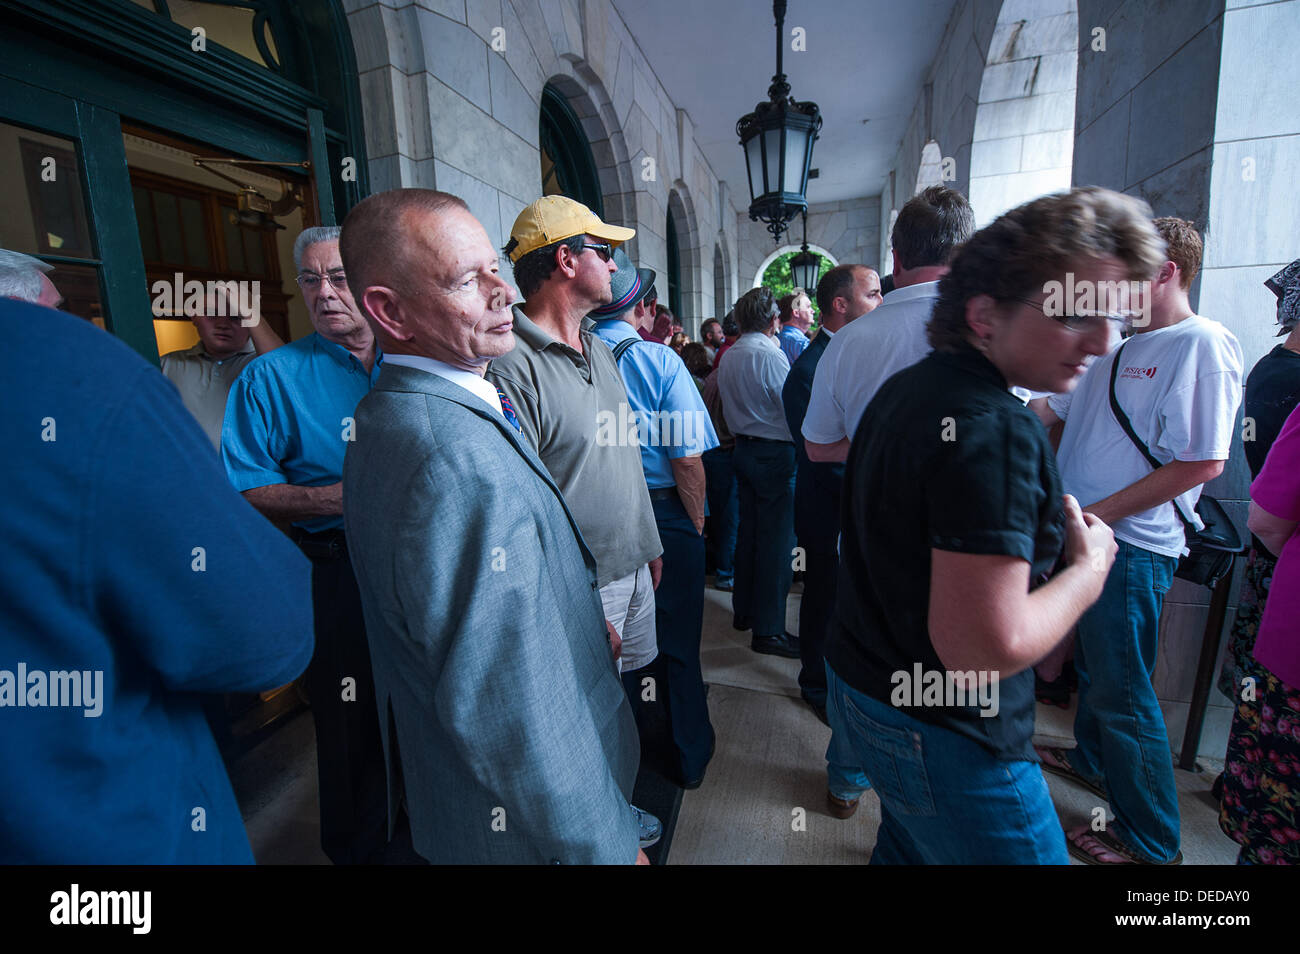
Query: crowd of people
x: 504, y: 515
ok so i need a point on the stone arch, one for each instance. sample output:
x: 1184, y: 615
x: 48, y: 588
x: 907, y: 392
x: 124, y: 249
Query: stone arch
x: 812, y: 247
x: 930, y: 170
x: 690, y: 256
x: 590, y: 101
x: 1024, y: 124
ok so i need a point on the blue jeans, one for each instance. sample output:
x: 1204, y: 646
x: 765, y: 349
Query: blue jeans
x: 1119, y: 728
x: 765, y: 540
x: 944, y: 799
x: 724, y: 512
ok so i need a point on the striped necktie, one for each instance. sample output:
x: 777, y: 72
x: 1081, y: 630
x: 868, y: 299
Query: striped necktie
x: 508, y: 410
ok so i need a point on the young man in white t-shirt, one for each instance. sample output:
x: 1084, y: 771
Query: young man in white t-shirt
x: 1179, y: 383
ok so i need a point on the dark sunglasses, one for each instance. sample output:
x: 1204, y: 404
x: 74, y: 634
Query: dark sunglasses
x: 604, y: 250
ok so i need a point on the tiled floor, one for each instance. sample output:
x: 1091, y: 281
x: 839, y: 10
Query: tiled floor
x: 762, y: 799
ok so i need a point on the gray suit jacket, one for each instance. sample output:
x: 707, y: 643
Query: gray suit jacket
x: 501, y: 709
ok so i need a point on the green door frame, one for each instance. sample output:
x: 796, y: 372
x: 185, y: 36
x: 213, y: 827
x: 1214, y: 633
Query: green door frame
x: 78, y: 68
x: 97, y: 136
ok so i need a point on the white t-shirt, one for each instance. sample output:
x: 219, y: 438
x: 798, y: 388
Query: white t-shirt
x: 1180, y: 387
x: 866, y: 353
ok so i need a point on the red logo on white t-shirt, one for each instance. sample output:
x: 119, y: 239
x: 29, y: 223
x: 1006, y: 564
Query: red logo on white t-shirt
x: 1139, y: 372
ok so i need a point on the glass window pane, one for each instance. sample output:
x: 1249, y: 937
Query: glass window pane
x: 253, y: 251
x: 79, y: 286
x: 144, y: 220
x: 232, y: 27
x: 196, y: 233
x: 170, y: 247
x: 234, y: 244
x: 43, y: 210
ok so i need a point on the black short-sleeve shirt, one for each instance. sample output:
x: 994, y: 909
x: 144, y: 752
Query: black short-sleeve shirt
x: 945, y: 457
x: 1272, y: 392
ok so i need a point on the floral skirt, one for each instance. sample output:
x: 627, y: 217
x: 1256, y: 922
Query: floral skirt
x: 1238, y: 662
x: 1261, y: 774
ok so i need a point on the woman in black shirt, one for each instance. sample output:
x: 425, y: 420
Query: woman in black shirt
x: 952, y: 520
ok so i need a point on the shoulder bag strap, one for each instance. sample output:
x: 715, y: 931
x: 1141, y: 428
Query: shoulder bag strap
x: 621, y: 348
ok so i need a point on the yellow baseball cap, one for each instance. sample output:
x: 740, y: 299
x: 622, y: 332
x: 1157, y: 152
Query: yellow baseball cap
x: 553, y: 218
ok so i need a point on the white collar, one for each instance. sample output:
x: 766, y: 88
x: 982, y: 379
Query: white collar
x: 466, y: 379
x: 907, y: 292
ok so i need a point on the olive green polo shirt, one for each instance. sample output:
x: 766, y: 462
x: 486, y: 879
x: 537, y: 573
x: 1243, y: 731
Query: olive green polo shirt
x: 561, y: 397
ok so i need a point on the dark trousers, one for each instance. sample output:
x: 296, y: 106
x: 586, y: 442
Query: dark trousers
x: 724, y: 512
x: 816, y: 610
x: 765, y: 540
x: 349, y: 753
x: 679, y: 620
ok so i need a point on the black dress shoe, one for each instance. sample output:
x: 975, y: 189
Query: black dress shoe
x: 783, y: 645
x: 695, y: 781
x: 742, y: 623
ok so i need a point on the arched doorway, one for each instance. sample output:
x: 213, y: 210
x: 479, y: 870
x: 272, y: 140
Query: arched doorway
x: 568, y: 167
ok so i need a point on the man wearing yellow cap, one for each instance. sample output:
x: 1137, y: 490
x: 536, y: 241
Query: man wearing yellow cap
x: 565, y: 384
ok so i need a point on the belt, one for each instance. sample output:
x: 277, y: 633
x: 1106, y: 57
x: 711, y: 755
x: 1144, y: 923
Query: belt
x: 762, y: 440
x: 323, y: 545
x: 663, y: 493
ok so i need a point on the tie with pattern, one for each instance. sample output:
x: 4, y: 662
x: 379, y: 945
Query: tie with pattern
x: 508, y: 410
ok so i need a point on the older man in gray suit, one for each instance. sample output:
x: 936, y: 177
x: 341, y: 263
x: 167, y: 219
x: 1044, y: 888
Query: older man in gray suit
x: 506, y: 730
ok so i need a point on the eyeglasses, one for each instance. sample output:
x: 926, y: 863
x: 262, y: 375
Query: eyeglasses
x: 1079, y: 322
x: 604, y: 250
x: 310, y: 281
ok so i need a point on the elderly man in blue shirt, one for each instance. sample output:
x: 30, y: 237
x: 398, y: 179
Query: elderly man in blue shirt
x: 289, y: 420
x: 674, y: 430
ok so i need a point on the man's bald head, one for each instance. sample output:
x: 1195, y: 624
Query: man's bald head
x: 377, y: 245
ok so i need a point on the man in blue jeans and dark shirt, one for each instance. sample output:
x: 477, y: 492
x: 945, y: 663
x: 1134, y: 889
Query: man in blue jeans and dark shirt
x: 845, y: 293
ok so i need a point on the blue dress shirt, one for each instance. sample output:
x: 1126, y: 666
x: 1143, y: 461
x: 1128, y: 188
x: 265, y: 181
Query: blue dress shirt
x: 289, y: 418
x: 671, y: 418
x: 792, y: 342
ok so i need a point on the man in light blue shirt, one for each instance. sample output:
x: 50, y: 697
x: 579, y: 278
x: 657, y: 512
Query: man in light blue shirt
x: 288, y: 423
x: 750, y: 383
x: 796, y: 319
x: 674, y: 430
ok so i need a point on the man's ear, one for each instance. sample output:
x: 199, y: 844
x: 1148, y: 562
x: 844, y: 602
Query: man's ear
x: 1168, y: 273
x: 981, y: 310
x: 384, y: 307
x: 565, y: 261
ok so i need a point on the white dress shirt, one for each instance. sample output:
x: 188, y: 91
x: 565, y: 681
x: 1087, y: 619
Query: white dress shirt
x: 866, y: 353
x: 750, y: 385
x: 466, y: 379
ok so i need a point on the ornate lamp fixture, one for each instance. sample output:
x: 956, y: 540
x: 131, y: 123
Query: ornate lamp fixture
x: 806, y: 266
x: 778, y: 139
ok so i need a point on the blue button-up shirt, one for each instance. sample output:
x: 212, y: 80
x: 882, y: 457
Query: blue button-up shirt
x: 792, y: 342
x: 289, y: 418
x: 671, y: 419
